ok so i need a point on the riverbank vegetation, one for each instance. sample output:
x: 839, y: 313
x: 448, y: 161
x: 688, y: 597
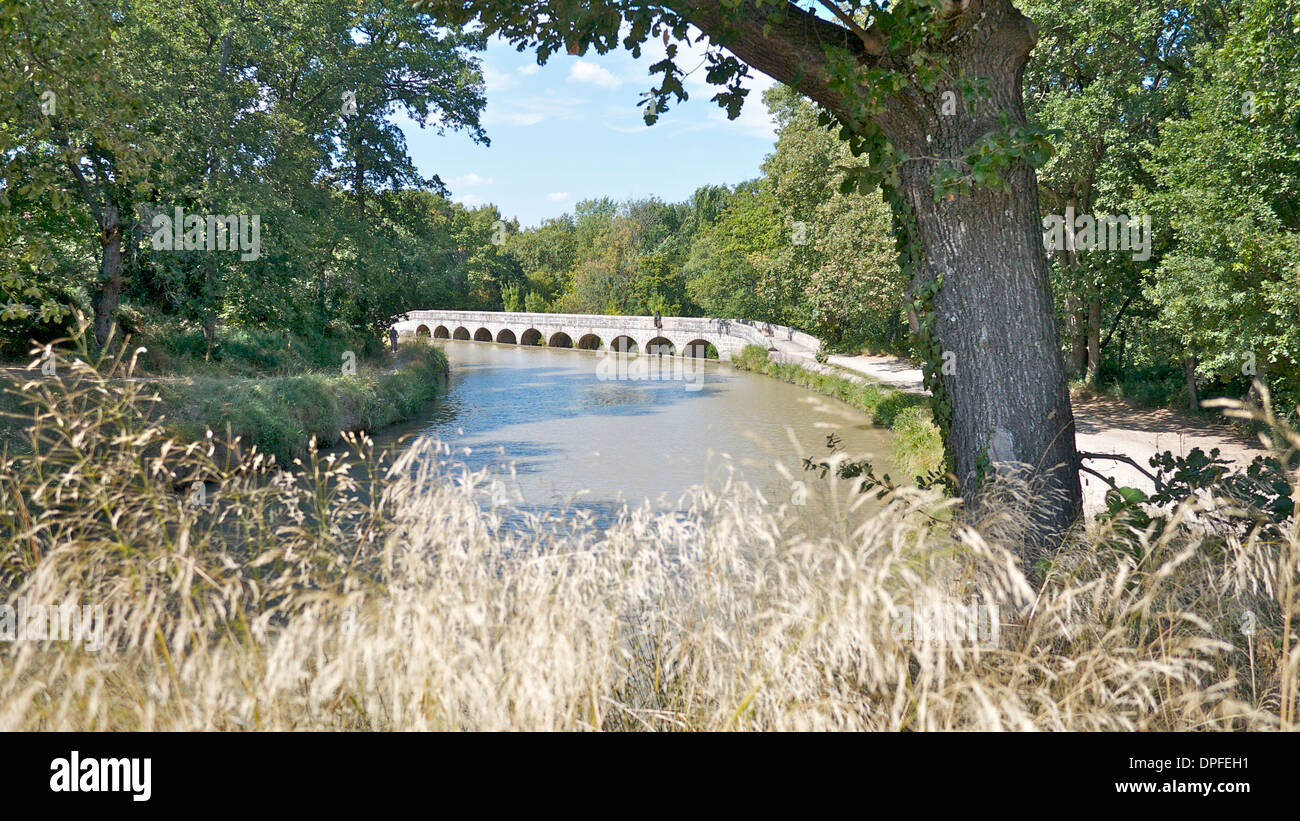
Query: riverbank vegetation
x: 337, y: 598
x: 917, y: 449
x: 283, y: 415
x: 278, y: 398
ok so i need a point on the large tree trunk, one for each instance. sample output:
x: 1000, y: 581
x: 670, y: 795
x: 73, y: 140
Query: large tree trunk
x: 1009, y: 398
x: 108, y: 296
x: 994, y: 313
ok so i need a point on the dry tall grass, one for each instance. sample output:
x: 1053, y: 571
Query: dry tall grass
x: 334, y: 597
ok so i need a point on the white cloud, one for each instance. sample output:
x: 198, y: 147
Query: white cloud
x: 529, y: 70
x: 469, y: 200
x: 587, y: 72
x: 492, y: 117
x: 496, y: 81
x: 558, y: 196
x: 532, y: 110
x: 472, y: 179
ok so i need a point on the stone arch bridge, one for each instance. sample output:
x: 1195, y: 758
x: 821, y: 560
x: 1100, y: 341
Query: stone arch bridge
x: 679, y: 335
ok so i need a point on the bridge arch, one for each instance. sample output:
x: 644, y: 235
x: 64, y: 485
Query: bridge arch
x: 460, y: 333
x: 589, y: 342
x: 623, y: 344
x: 482, y: 335
x: 660, y: 345
x: 441, y: 332
x: 560, y: 339
x: 532, y: 336
x: 422, y: 331
x: 506, y: 336
x: 701, y: 348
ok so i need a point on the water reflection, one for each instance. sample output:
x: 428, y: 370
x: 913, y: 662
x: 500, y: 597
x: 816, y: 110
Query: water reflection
x: 560, y: 435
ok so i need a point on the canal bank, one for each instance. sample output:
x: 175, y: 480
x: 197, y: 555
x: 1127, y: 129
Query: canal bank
x: 281, y: 415
x: 917, y: 448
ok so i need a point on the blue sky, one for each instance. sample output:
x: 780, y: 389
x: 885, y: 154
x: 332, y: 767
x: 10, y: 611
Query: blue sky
x: 571, y: 130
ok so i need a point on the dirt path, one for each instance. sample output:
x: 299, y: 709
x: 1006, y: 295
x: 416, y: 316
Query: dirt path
x: 1107, y: 425
x: 1103, y: 425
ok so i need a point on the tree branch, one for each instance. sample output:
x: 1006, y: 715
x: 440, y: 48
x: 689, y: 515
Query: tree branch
x: 1118, y: 317
x: 75, y: 169
x: 1116, y: 457
x: 1105, y: 479
x: 791, y: 50
x: 872, y: 40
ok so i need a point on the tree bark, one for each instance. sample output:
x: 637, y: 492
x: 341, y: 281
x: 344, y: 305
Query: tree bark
x: 1094, y: 342
x: 111, y: 282
x: 1074, y: 331
x: 1189, y: 374
x: 994, y: 311
x: 1009, y: 397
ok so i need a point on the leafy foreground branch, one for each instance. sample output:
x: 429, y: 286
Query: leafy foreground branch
x: 346, y: 596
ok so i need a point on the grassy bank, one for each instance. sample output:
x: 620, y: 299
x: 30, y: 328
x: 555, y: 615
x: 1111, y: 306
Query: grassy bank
x: 918, y: 447
x: 274, y: 388
x: 281, y: 414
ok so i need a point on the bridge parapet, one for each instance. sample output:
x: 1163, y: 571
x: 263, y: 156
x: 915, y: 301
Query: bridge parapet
x: 728, y: 336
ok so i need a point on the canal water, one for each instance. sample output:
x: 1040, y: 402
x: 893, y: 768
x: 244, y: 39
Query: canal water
x: 595, y: 431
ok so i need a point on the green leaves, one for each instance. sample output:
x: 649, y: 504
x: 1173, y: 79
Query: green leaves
x: 218, y: 110
x: 1118, y: 498
x: 986, y: 162
x: 1224, y: 176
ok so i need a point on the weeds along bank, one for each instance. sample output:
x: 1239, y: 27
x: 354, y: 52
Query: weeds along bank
x: 917, y: 447
x: 278, y: 413
x: 336, y: 598
x: 282, y: 414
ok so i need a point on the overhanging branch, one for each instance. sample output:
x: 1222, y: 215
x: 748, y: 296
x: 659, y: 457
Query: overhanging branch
x: 791, y: 49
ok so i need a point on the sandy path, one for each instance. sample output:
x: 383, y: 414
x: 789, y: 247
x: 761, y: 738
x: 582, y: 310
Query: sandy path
x: 1102, y: 424
x: 1107, y: 425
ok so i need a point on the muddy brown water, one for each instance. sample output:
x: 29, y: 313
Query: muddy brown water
x: 596, y: 431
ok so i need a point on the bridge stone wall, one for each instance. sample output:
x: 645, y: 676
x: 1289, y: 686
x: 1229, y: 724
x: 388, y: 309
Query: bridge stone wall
x: 729, y: 336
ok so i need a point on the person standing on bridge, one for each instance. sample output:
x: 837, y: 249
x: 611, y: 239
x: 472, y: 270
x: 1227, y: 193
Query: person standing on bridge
x: 659, y: 321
